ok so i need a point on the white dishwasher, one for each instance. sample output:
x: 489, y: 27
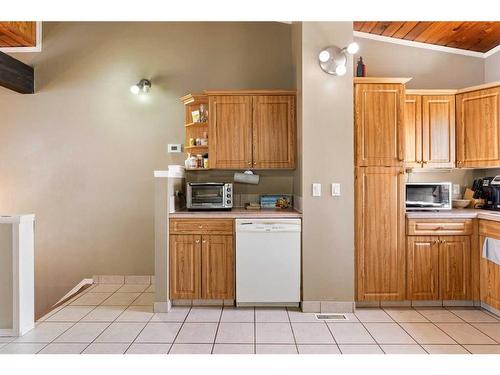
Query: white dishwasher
x: 268, y: 262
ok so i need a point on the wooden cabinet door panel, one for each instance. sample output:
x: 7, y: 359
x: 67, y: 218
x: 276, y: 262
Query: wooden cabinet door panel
x: 230, y: 130
x: 438, y: 129
x: 455, y: 267
x: 379, y: 124
x: 273, y: 131
x: 489, y: 278
x: 423, y: 268
x: 478, y: 128
x: 217, y: 267
x: 380, y: 233
x: 185, y: 263
x: 413, y: 130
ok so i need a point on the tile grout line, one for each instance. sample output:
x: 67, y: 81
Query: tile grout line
x: 74, y: 324
x: 291, y: 327
x: 180, y: 328
x: 143, y: 328
x: 367, y: 330
x: 254, y: 331
x: 469, y: 323
x: 217, y: 330
x: 93, y: 341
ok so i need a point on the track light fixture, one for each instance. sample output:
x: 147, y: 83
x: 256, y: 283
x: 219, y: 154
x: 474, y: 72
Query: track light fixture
x: 142, y: 87
x: 333, y: 60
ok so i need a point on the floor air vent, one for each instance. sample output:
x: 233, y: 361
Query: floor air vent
x: 331, y: 317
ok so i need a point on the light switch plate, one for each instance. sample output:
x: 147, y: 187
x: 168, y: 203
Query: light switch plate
x: 335, y: 190
x: 316, y: 190
x: 174, y: 147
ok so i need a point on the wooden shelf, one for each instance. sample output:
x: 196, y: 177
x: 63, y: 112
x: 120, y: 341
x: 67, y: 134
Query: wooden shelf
x: 193, y: 147
x: 196, y: 124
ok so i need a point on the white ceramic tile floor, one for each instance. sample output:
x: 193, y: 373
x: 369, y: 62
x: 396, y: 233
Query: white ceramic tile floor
x: 119, y: 318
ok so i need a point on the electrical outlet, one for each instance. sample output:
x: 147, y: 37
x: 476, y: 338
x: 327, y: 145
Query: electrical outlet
x: 316, y: 190
x: 335, y: 190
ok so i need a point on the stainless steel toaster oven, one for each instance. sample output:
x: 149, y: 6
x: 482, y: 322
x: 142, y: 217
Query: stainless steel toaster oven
x: 209, y: 196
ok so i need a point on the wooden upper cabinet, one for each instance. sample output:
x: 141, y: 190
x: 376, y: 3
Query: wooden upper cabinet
x: 273, y: 131
x: 217, y: 262
x: 252, y: 129
x: 413, y: 130
x: 230, y: 130
x: 478, y: 128
x: 429, y: 131
x: 380, y: 233
x: 185, y: 263
x: 379, y: 124
x: 438, y: 129
x: 423, y: 268
x: 455, y: 267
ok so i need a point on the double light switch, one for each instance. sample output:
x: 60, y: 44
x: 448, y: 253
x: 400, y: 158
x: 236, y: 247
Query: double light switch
x: 316, y: 190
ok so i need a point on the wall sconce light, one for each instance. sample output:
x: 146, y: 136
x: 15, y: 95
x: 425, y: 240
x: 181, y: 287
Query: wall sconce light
x: 142, y: 87
x: 333, y: 60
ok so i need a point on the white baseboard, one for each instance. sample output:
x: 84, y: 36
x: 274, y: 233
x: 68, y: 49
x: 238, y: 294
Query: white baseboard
x: 75, y: 289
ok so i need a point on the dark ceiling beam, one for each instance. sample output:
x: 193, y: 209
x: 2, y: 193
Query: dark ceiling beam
x: 15, y: 75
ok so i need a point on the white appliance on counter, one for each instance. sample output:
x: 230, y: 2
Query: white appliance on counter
x: 268, y: 262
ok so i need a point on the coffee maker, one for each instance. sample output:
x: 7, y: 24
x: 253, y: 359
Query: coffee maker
x: 488, y: 188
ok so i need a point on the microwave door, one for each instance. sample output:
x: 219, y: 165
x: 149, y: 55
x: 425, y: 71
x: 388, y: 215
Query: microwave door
x: 206, y: 196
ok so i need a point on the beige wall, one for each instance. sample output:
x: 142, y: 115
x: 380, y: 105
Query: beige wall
x: 327, y: 156
x: 492, y: 68
x: 80, y: 153
x: 429, y: 69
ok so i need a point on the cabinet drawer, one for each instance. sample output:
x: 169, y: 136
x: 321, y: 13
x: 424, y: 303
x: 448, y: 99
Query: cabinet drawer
x: 201, y: 226
x: 419, y: 227
x: 489, y: 228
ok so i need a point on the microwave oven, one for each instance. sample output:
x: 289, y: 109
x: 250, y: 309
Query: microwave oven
x: 428, y: 196
x: 209, y: 196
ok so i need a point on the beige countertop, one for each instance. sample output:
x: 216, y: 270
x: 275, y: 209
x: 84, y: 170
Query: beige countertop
x: 466, y: 213
x: 237, y: 213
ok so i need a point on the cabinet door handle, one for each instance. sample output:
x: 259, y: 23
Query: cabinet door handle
x: 424, y: 162
x: 197, y: 241
x: 254, y: 163
x: 249, y: 163
x: 204, y: 241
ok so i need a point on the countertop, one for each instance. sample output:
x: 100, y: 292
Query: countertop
x: 455, y: 213
x: 237, y: 213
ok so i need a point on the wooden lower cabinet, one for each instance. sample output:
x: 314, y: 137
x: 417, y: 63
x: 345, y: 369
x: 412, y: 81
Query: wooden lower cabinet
x: 423, y: 268
x: 201, y: 263
x: 439, y: 268
x: 455, y: 268
x: 217, y: 267
x: 185, y: 262
x: 490, y: 272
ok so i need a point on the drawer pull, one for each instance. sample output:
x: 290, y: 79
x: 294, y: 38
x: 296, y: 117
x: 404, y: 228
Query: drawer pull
x: 200, y: 226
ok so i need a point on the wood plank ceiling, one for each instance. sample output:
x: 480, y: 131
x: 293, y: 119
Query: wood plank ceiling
x: 18, y: 34
x: 473, y: 36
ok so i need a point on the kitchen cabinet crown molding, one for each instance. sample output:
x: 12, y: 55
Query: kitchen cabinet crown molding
x: 479, y: 87
x: 250, y: 92
x: 401, y: 80
x: 432, y: 92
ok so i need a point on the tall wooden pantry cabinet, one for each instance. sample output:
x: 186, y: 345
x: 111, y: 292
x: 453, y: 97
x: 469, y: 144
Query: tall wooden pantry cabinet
x: 379, y: 188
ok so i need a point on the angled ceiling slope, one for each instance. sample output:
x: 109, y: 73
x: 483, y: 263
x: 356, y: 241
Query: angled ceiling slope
x: 472, y: 36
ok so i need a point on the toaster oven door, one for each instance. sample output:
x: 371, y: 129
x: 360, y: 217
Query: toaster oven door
x: 206, y: 196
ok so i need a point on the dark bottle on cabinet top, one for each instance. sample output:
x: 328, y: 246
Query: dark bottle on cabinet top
x: 360, y: 68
